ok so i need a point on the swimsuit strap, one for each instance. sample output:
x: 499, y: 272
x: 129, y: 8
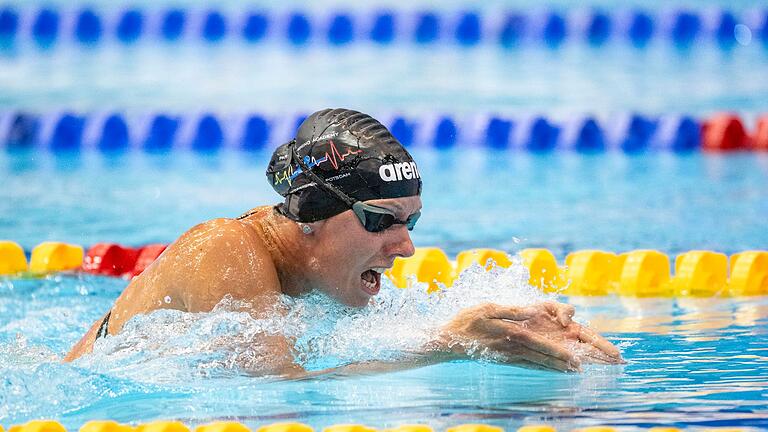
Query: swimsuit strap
x: 256, y: 210
x: 104, y: 327
x: 245, y: 215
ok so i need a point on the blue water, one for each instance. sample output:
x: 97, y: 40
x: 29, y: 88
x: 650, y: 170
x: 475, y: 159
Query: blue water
x: 691, y: 363
x: 472, y: 198
x: 275, y: 78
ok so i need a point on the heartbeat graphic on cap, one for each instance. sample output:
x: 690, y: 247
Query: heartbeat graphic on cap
x: 334, y: 158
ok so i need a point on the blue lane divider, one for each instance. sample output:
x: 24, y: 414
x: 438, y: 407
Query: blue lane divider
x: 383, y: 28
x: 215, y: 27
x: 341, y: 30
x: 9, y: 24
x: 599, y: 29
x: 463, y: 28
x: 641, y: 29
x: 469, y: 29
x: 130, y: 26
x: 211, y: 132
x: 22, y: 131
x: 512, y: 30
x: 428, y: 28
x: 637, y: 134
x: 45, y: 28
x: 255, y: 27
x: 555, y: 30
x: 68, y: 133
x: 299, y: 29
x: 686, y: 28
x: 173, y: 24
x: 115, y: 136
x: 161, y: 133
x: 88, y: 29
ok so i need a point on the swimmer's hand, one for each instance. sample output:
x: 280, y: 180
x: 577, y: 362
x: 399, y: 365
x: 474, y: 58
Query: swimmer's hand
x: 538, y: 336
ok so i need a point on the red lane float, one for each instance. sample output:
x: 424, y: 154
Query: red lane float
x: 760, y: 142
x: 111, y: 259
x: 724, y: 132
x: 147, y: 255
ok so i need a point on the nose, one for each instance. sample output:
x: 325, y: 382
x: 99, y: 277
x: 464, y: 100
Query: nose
x: 401, y: 244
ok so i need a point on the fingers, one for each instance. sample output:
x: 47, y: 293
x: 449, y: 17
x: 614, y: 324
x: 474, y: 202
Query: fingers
x: 589, y: 354
x: 534, y: 342
x: 565, y: 314
x: 512, y: 313
x: 562, y: 313
x: 525, y: 329
x: 588, y: 336
x: 541, y: 361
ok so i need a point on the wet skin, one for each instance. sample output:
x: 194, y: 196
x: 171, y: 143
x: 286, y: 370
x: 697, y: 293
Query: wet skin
x: 259, y: 257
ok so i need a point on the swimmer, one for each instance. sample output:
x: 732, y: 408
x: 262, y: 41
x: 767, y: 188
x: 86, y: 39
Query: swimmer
x: 351, y: 196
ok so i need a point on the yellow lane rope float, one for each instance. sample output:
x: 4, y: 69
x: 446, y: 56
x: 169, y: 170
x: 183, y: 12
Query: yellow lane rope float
x: 231, y: 426
x: 638, y: 273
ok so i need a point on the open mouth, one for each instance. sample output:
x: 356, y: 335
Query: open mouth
x: 371, y: 280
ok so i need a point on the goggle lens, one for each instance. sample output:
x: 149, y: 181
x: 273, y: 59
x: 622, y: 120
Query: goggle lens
x: 377, y: 219
x: 377, y: 222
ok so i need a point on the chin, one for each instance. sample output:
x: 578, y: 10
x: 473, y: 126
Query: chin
x: 356, y: 301
x: 349, y: 298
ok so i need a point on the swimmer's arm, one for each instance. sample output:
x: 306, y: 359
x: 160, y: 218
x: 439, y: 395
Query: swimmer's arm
x: 195, y: 272
x: 226, y: 258
x: 368, y: 368
x: 218, y: 258
x: 85, y: 345
x: 541, y: 336
x: 192, y: 275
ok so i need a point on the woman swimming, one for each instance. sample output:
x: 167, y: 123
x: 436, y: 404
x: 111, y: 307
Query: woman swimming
x: 351, y: 196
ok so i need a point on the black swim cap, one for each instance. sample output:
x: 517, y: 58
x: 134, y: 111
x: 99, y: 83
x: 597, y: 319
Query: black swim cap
x: 349, y: 150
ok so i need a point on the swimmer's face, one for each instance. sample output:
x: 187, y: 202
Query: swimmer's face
x: 350, y: 259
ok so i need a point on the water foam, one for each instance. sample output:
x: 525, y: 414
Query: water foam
x: 169, y: 345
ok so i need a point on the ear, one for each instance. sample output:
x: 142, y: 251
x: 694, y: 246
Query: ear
x: 309, y: 228
x: 318, y: 225
x: 335, y: 224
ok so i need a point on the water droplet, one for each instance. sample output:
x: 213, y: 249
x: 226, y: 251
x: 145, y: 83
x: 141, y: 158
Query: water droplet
x: 742, y: 34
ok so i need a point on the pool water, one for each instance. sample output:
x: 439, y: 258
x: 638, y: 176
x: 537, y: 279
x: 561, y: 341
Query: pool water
x: 690, y: 362
x: 472, y: 198
x: 274, y: 78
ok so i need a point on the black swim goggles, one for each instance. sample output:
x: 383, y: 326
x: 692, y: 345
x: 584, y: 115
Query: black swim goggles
x: 373, y: 218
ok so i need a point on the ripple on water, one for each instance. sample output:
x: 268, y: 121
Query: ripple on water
x: 689, y: 363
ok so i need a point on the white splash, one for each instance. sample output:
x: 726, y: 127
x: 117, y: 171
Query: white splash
x: 168, y: 345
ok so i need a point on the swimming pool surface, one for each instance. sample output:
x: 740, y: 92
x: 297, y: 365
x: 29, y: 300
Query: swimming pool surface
x: 472, y: 198
x: 273, y: 77
x: 690, y: 362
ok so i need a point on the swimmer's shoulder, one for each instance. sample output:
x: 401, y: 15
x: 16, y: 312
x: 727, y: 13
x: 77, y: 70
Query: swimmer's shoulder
x: 227, y: 231
x: 215, y: 258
